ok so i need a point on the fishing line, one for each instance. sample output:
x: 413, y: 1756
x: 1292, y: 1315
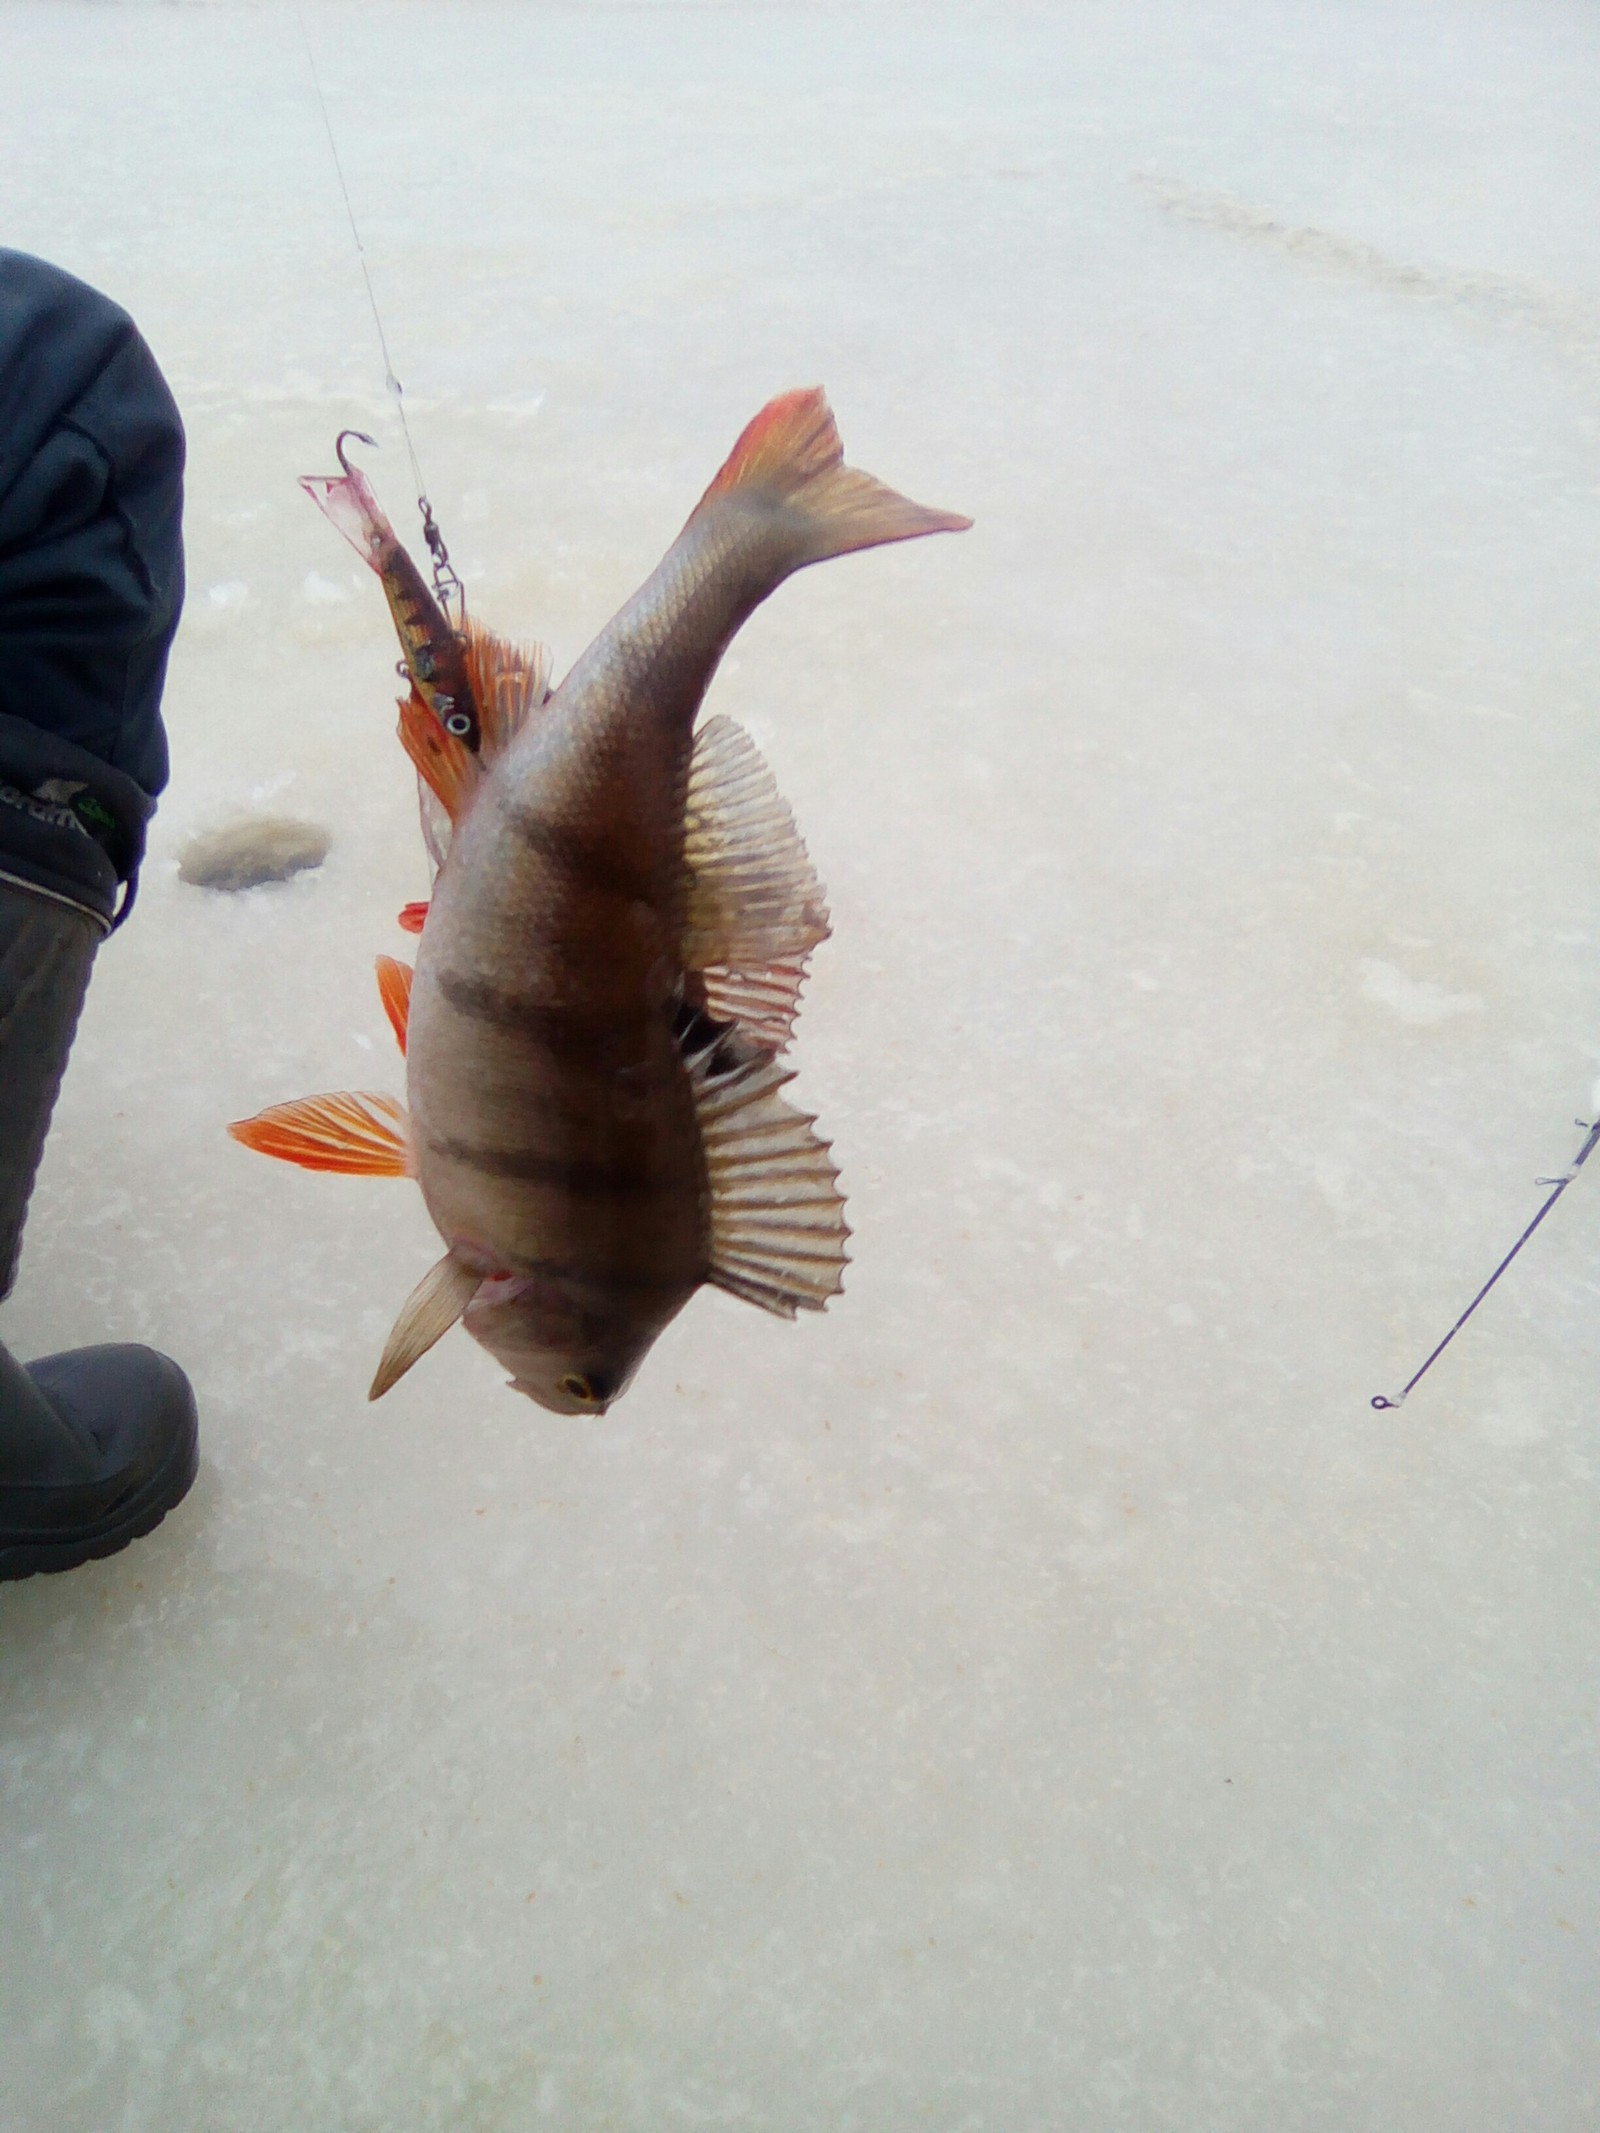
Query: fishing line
x: 445, y: 582
x: 1560, y: 1185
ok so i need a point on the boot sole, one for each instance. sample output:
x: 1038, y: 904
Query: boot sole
x: 141, y: 1514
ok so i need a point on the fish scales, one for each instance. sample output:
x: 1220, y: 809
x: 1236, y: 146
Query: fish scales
x: 552, y: 953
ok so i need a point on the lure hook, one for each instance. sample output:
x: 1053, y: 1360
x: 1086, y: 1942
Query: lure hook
x: 362, y: 437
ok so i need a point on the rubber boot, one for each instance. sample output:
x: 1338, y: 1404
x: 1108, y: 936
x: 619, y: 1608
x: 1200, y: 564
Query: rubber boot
x: 97, y: 1445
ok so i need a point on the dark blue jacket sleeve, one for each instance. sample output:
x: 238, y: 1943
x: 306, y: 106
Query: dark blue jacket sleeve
x: 91, y: 500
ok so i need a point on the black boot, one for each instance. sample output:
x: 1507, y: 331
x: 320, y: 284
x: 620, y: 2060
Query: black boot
x: 96, y: 1446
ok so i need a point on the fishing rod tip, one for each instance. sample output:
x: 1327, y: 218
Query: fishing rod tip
x: 1381, y: 1400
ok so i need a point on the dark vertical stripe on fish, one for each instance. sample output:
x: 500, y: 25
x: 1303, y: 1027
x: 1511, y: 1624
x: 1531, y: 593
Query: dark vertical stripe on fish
x: 571, y: 1174
x: 613, y: 1279
x: 599, y: 870
x: 571, y: 1031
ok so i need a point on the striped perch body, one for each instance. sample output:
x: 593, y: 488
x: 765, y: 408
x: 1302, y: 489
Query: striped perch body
x: 610, y: 966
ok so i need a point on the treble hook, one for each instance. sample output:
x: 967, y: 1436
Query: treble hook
x: 338, y: 446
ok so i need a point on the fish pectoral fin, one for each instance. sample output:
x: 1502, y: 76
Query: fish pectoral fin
x: 510, y: 681
x: 445, y: 765
x: 394, y: 990
x: 361, y: 1135
x: 413, y: 917
x: 427, y: 1314
x: 777, y: 1215
x: 754, y: 908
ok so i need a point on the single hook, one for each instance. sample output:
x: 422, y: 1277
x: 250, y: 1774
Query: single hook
x: 361, y: 435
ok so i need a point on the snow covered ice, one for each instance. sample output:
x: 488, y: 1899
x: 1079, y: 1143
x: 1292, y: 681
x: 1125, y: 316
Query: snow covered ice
x: 1040, y: 1693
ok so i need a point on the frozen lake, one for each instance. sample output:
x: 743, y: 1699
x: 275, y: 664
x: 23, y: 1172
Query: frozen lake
x: 1040, y: 1693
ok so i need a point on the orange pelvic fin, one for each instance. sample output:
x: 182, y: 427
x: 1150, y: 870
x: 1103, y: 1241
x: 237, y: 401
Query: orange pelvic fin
x: 428, y: 1313
x: 447, y: 768
x: 394, y: 990
x: 413, y: 917
x: 360, y: 1135
x: 791, y: 452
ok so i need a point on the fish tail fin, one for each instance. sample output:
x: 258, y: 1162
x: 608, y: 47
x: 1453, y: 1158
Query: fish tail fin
x: 791, y: 454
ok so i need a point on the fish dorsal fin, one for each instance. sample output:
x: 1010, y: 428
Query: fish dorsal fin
x: 508, y: 681
x: 446, y: 766
x: 427, y: 1314
x: 753, y: 902
x: 777, y: 1215
x: 764, y: 1003
x: 361, y: 1135
x: 394, y: 990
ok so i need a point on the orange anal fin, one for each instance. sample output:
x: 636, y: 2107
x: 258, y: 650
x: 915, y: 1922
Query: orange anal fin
x: 449, y: 769
x: 413, y: 918
x: 358, y: 1134
x: 394, y: 990
x: 509, y: 681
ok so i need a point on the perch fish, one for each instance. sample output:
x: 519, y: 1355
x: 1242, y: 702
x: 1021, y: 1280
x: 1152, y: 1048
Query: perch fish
x: 610, y: 967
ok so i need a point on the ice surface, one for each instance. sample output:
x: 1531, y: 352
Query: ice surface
x: 1040, y: 1693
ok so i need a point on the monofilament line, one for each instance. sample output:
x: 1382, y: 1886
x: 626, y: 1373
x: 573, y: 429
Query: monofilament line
x: 390, y: 380
x: 1559, y: 1187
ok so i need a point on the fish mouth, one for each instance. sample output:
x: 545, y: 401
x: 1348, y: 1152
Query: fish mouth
x: 556, y: 1402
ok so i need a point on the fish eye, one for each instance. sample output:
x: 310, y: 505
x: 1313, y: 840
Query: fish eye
x: 575, y: 1386
x: 459, y: 724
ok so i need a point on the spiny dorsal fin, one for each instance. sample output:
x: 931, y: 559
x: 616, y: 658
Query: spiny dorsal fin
x: 777, y: 1215
x: 427, y: 1314
x: 508, y: 681
x: 754, y: 908
x: 791, y: 453
x: 764, y: 1003
x: 394, y: 990
x: 360, y: 1134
